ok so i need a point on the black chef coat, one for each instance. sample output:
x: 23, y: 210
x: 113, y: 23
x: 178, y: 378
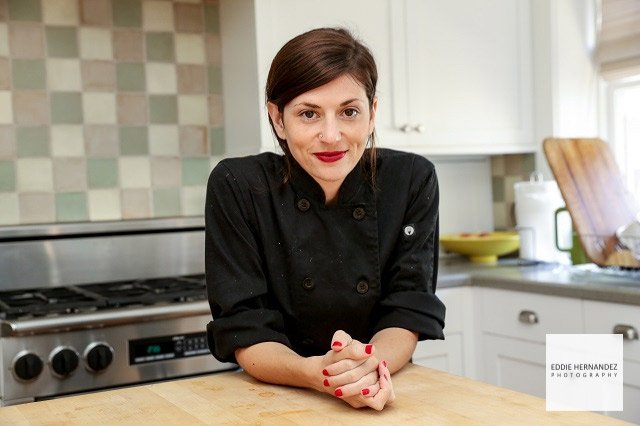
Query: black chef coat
x: 282, y: 266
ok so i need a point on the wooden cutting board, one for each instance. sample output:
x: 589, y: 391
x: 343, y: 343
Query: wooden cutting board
x: 595, y: 195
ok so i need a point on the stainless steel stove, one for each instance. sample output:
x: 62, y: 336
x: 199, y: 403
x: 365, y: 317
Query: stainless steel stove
x: 96, y: 306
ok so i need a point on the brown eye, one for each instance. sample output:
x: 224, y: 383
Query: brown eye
x: 351, y: 112
x: 308, y: 114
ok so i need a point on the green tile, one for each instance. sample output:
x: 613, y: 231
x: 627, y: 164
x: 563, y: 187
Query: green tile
x: 214, y: 76
x: 195, y: 171
x: 497, y: 187
x: 25, y: 10
x: 134, y: 141
x: 211, y: 19
x: 159, y: 47
x: 32, y: 142
x: 163, y: 109
x: 62, y: 42
x: 29, y: 74
x: 102, y: 172
x: 216, y: 141
x: 130, y: 77
x: 66, y: 108
x: 166, y: 202
x: 529, y: 164
x: 71, y: 207
x: 7, y: 176
x: 127, y: 13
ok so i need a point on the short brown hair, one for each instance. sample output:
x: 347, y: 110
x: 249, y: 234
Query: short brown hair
x: 313, y: 59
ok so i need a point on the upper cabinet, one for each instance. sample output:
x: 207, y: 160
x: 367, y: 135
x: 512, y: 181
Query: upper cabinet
x: 454, y: 76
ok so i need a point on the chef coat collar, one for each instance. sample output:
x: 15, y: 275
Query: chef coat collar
x: 355, y: 189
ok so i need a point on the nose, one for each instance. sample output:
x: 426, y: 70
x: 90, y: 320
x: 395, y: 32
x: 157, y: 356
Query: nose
x: 330, y: 131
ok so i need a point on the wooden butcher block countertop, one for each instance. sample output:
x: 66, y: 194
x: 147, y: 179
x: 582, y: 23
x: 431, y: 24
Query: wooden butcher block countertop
x: 424, y: 396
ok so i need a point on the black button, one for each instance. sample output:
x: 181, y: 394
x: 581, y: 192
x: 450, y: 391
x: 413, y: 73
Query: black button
x: 308, y: 284
x: 303, y: 204
x: 307, y: 341
x: 362, y: 287
x: 358, y: 213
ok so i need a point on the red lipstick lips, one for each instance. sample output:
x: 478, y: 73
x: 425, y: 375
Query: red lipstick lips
x: 330, y: 156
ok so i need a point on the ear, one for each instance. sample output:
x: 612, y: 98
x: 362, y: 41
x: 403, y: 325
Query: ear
x: 276, y: 119
x: 372, y: 118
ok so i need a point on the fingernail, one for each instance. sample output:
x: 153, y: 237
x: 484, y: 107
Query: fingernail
x: 365, y: 391
x: 337, y: 344
x: 384, y: 363
x: 386, y: 376
x: 368, y: 349
x: 325, y: 372
x: 338, y: 392
x: 326, y: 382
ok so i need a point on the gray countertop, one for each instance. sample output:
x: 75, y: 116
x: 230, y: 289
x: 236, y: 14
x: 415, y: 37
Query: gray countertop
x: 583, y: 282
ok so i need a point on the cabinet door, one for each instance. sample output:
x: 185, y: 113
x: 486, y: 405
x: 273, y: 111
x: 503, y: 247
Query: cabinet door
x: 462, y: 75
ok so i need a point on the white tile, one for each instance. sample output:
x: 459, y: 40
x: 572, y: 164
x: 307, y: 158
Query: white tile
x: 6, y: 111
x: 193, y: 110
x: 60, y: 12
x: 9, y: 213
x: 34, y: 174
x: 157, y: 15
x: 95, y: 43
x: 104, y: 204
x: 164, y: 140
x: 135, y: 172
x: 99, y: 108
x: 161, y: 78
x: 193, y: 199
x: 67, y: 141
x: 190, y: 49
x: 63, y: 75
x: 4, y: 40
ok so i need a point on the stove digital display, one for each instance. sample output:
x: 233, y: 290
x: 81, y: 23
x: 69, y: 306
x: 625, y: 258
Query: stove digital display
x: 163, y: 348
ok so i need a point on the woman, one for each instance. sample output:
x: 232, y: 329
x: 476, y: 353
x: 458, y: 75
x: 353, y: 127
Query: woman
x: 321, y: 264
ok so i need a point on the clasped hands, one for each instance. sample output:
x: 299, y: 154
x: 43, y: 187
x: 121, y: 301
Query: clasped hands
x: 352, y: 372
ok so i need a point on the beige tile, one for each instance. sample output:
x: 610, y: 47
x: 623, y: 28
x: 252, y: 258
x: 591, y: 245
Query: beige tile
x: 4, y: 39
x: 192, y: 79
x: 6, y: 111
x: 69, y: 174
x: 509, y: 192
x: 135, y: 172
x: 95, y: 43
x: 26, y: 40
x: 193, y: 141
x: 136, y: 203
x: 99, y: 108
x: 190, y: 49
x: 4, y: 11
x: 67, y: 141
x: 101, y: 141
x: 189, y: 18
x: 514, y: 164
x: 9, y: 211
x: 497, y: 165
x: 132, y: 108
x: 63, y: 75
x: 163, y: 140
x: 5, y: 74
x: 214, y: 49
x: 34, y: 174
x: 161, y: 78
x: 96, y: 12
x: 98, y: 76
x: 30, y: 107
x: 7, y: 143
x: 60, y: 12
x: 166, y: 172
x: 192, y: 110
x: 36, y: 207
x: 104, y: 204
x: 216, y: 117
x: 157, y: 15
x: 193, y: 199
x: 128, y: 45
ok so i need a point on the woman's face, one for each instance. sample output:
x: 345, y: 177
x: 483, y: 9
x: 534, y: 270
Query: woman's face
x: 326, y: 130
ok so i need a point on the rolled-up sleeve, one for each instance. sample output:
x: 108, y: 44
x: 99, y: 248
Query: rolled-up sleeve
x: 236, y: 284
x: 408, y: 299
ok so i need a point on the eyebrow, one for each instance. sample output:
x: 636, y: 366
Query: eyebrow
x: 310, y: 105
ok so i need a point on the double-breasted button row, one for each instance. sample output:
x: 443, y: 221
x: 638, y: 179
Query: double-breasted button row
x: 358, y: 213
x: 303, y: 204
x: 362, y: 287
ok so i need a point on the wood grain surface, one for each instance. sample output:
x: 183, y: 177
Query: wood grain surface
x: 424, y: 396
x: 595, y: 195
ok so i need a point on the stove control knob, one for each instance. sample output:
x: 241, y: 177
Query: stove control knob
x: 64, y: 360
x: 98, y: 356
x: 27, y: 365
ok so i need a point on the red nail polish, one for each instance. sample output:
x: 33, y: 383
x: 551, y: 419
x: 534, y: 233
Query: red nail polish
x: 365, y: 391
x: 325, y: 372
x: 368, y: 349
x: 326, y: 382
x: 338, y: 392
x: 337, y: 344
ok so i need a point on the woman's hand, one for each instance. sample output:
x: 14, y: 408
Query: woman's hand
x: 379, y: 394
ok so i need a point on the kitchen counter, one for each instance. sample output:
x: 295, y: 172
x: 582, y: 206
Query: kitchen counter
x: 583, y: 281
x: 423, y: 396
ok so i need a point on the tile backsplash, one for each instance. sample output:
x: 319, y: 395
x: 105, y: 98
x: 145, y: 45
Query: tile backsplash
x: 109, y: 109
x: 505, y: 171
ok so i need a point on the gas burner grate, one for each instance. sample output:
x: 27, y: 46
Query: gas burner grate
x: 47, y: 302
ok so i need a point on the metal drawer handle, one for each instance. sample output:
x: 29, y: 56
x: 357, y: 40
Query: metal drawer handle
x: 628, y: 332
x: 528, y: 317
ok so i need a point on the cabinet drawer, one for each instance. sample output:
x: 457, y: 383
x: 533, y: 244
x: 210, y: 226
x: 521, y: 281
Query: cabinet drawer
x: 602, y: 317
x: 453, y: 299
x: 528, y: 316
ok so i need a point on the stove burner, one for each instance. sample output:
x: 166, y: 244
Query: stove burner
x: 47, y: 301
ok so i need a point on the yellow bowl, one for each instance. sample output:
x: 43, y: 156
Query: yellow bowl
x: 481, y: 247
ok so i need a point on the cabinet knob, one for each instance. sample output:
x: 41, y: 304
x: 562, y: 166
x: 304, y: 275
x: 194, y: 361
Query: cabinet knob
x: 420, y: 128
x: 628, y: 332
x: 406, y: 128
x: 528, y: 317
